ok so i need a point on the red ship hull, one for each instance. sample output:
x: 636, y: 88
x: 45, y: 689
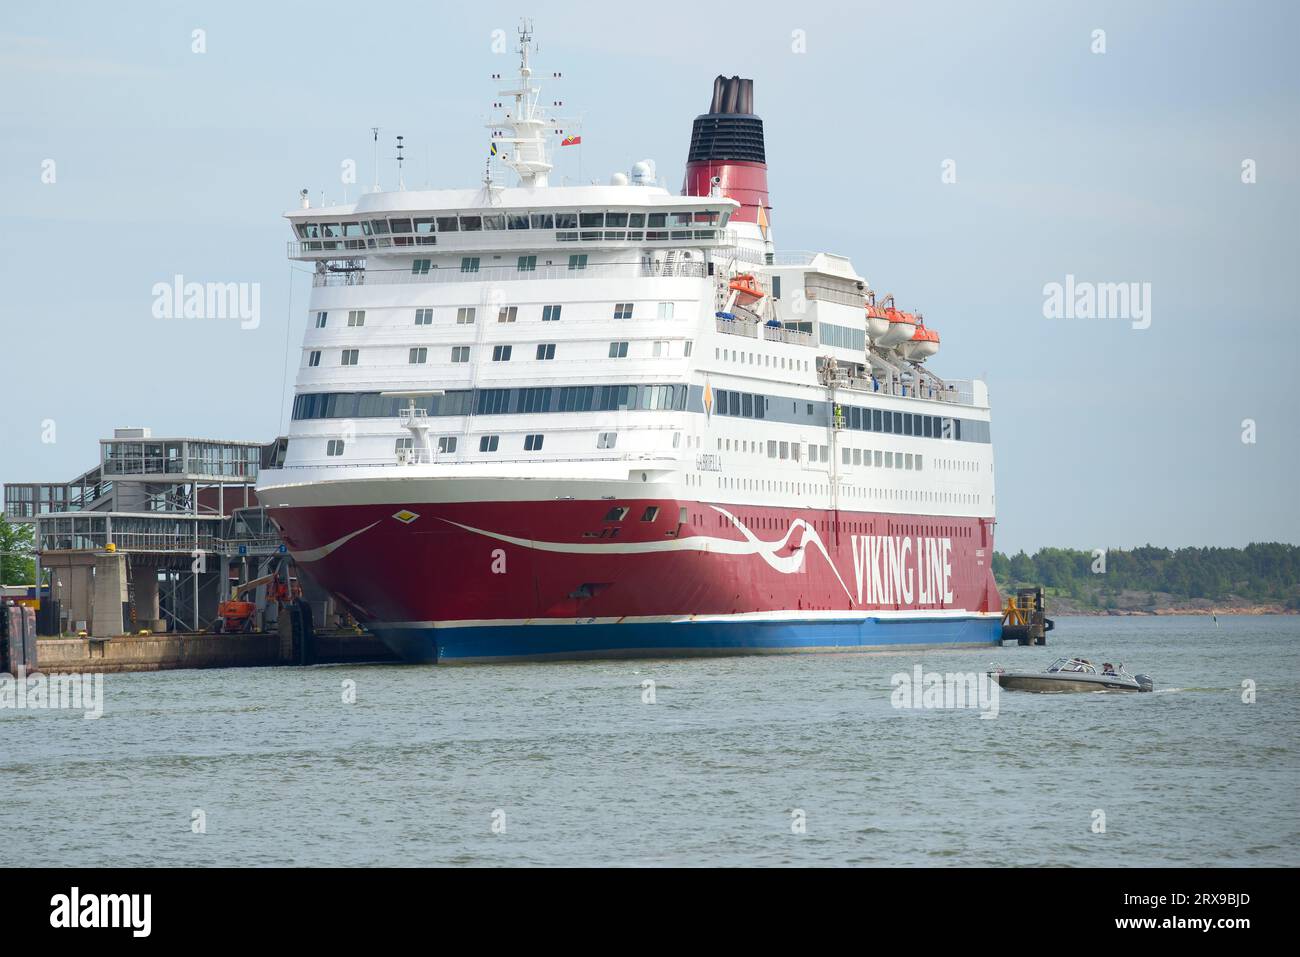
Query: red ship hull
x: 498, y: 580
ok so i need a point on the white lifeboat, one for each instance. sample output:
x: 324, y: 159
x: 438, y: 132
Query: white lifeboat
x: 923, y: 344
x: 877, y: 322
x: 902, y: 326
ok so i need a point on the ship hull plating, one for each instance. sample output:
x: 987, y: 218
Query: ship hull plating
x: 519, y: 580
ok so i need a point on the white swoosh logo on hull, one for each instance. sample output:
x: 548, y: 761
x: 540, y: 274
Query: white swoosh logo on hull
x: 751, y: 545
x: 316, y: 554
x: 790, y: 563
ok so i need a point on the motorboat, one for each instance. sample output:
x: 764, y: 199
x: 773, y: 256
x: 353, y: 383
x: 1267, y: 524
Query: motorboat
x: 1072, y: 674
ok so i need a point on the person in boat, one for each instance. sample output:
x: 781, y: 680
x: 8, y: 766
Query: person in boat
x: 1107, y: 668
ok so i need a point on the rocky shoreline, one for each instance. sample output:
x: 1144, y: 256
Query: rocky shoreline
x: 1152, y: 604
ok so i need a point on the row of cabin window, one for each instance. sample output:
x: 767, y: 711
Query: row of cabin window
x: 422, y: 267
x: 846, y: 490
x: 897, y: 423
x: 533, y: 442
x: 466, y: 315
x: 425, y: 225
x: 419, y: 355
x: 578, y: 398
x: 760, y: 359
x: 888, y: 460
x: 755, y: 406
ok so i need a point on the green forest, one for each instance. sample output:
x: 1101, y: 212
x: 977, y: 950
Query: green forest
x: 16, y: 564
x: 1260, y: 572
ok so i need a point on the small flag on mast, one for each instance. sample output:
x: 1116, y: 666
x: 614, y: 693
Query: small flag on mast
x: 571, y: 141
x: 493, y: 151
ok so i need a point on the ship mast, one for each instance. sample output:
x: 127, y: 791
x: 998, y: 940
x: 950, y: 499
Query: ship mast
x: 527, y: 121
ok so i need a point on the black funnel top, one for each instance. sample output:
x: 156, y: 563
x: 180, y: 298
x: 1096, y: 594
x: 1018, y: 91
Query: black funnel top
x: 730, y: 130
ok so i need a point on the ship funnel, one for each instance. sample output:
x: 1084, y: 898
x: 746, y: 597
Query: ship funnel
x: 727, y: 145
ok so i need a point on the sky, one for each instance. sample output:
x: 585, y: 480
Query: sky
x: 965, y: 156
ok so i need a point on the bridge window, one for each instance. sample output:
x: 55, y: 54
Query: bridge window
x: 424, y: 317
x: 313, y: 359
x: 488, y: 443
x: 334, y: 447
x: 527, y: 264
x: 551, y: 313
x: 357, y: 317
x: 622, y: 310
x: 349, y: 357
x: 546, y: 350
x: 465, y: 316
x: 469, y: 263
x: 418, y: 356
x: 533, y: 443
x: 460, y: 353
x: 501, y: 353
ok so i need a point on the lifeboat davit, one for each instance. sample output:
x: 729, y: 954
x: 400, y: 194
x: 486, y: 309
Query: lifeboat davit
x: 923, y: 344
x: 877, y: 322
x: 902, y: 326
x: 746, y: 288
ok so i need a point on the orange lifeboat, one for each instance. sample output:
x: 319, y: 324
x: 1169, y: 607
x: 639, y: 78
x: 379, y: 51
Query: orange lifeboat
x: 746, y: 288
x: 902, y: 326
x: 877, y: 322
x: 923, y: 344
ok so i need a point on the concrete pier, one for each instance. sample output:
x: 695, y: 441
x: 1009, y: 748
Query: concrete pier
x: 110, y: 594
x: 166, y: 652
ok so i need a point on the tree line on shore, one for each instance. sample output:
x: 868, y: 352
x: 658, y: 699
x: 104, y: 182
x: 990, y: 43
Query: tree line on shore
x: 1260, y: 572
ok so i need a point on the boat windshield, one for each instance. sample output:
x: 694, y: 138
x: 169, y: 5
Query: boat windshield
x: 1076, y: 665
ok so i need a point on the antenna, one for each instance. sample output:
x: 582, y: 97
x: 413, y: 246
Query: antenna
x: 374, y: 132
x: 401, y: 183
x: 525, y: 120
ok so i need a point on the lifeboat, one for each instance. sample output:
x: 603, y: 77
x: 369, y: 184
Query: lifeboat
x: 746, y: 288
x: 923, y: 344
x: 877, y: 322
x: 902, y: 326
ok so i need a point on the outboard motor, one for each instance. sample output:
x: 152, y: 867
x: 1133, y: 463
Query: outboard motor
x: 1144, y: 683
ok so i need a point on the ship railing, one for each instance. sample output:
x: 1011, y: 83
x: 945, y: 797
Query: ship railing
x: 460, y: 459
x: 493, y: 274
x: 737, y: 327
x: 791, y: 336
x: 250, y: 546
x: 416, y: 456
x: 417, y: 416
x: 956, y: 393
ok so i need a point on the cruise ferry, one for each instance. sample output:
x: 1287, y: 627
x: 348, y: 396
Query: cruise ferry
x: 542, y: 421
